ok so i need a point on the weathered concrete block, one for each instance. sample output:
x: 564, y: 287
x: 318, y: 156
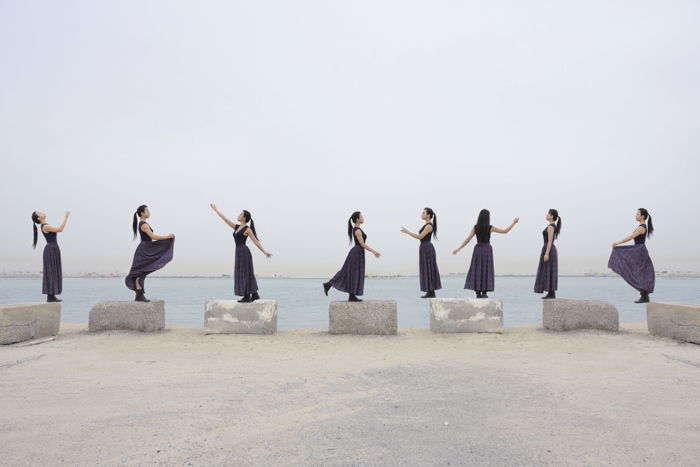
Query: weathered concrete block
x: 466, y: 315
x: 231, y: 317
x: 680, y: 321
x: 366, y: 317
x: 132, y: 316
x: 565, y: 315
x: 21, y: 322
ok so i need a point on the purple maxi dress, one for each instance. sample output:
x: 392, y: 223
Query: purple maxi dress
x: 151, y: 255
x: 52, y: 283
x: 244, y: 282
x: 427, y: 264
x: 481, y: 273
x: 633, y: 264
x: 351, y: 277
x: 547, y: 273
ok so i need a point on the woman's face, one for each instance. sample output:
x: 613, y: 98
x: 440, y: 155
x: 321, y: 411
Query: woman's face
x: 549, y: 216
x: 361, y: 219
x: 639, y: 217
x: 424, y: 215
x: 41, y: 216
x: 241, y: 218
x: 146, y: 213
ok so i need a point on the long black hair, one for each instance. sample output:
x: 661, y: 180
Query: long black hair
x: 555, y: 215
x: 353, y: 218
x: 138, y: 212
x: 35, y: 220
x: 248, y: 218
x: 483, y: 224
x: 647, y: 217
x: 433, y: 218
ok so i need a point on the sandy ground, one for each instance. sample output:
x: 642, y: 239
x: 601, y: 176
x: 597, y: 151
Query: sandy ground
x: 525, y: 397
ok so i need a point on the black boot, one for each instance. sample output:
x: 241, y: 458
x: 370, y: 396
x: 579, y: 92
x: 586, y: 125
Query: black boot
x: 483, y: 294
x: 430, y: 294
x: 141, y: 297
x: 549, y: 295
x: 478, y: 293
x: 353, y: 298
x: 326, y: 287
x: 246, y: 299
x: 254, y: 297
x: 52, y: 298
x: 643, y: 298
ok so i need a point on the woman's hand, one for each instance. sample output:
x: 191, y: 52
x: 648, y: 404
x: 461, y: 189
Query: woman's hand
x: 614, y: 245
x: 268, y: 255
x: 516, y: 220
x: 171, y: 235
x: 376, y: 254
x: 456, y: 251
x: 546, y: 258
x: 404, y: 230
x: 67, y: 215
x: 213, y: 206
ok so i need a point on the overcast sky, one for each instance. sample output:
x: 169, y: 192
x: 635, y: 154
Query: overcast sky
x: 305, y: 111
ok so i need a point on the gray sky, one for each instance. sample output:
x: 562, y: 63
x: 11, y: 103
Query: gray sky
x: 305, y: 111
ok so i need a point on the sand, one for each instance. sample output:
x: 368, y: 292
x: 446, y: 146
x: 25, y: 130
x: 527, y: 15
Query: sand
x: 524, y: 397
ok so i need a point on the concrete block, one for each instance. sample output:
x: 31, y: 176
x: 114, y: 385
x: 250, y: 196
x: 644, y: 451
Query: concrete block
x: 21, y: 322
x: 466, y: 315
x: 366, y: 317
x: 680, y: 321
x: 565, y: 315
x: 131, y: 316
x: 231, y: 317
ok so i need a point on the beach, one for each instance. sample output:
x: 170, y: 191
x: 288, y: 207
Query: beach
x: 524, y: 397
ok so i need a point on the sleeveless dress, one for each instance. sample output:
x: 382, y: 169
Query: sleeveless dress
x: 151, y: 255
x: 351, y: 277
x: 244, y: 282
x: 427, y: 263
x: 547, y: 273
x: 52, y: 283
x: 633, y: 264
x: 481, y: 273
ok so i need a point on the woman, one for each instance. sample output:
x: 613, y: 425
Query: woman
x: 632, y: 262
x: 427, y: 263
x: 351, y: 277
x: 480, y: 277
x: 244, y: 283
x: 154, y: 252
x: 548, y: 269
x: 52, y: 283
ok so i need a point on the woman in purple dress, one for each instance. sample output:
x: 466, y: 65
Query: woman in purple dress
x: 480, y: 277
x: 632, y: 262
x: 427, y: 262
x: 52, y: 283
x: 548, y: 268
x: 351, y: 277
x: 244, y: 283
x: 153, y: 253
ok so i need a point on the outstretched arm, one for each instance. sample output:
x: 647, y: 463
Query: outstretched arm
x: 361, y: 241
x: 253, y: 238
x: 225, y: 219
x: 637, y: 232
x: 466, y: 241
x: 426, y: 231
x: 147, y: 230
x: 48, y: 228
x: 506, y: 230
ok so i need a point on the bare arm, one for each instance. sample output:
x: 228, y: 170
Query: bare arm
x: 361, y: 241
x: 550, y: 242
x: 225, y: 219
x: 466, y: 241
x: 253, y: 238
x: 506, y: 230
x: 47, y: 228
x: 420, y: 236
x: 637, y: 232
x: 147, y: 230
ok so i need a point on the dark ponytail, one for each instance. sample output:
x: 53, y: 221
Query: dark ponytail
x: 138, y: 212
x: 248, y: 218
x: 483, y: 224
x: 433, y: 217
x: 647, y: 217
x: 353, y: 218
x: 555, y: 215
x: 35, y: 220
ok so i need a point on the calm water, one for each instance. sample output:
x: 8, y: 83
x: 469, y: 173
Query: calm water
x: 301, y: 303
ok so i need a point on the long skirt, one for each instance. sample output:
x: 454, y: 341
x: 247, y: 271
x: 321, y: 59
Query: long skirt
x: 481, y: 275
x: 149, y: 257
x: 351, y: 277
x: 244, y: 282
x: 53, y: 272
x: 633, y: 264
x: 547, y: 273
x: 428, y: 269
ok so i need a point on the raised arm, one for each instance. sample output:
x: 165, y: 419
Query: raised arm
x: 148, y: 231
x: 249, y: 233
x: 47, y: 228
x: 361, y: 241
x: 225, y: 219
x: 550, y: 242
x: 426, y: 231
x: 466, y: 241
x: 637, y: 232
x: 506, y: 230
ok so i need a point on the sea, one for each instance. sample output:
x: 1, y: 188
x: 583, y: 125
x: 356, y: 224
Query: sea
x: 302, y: 304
